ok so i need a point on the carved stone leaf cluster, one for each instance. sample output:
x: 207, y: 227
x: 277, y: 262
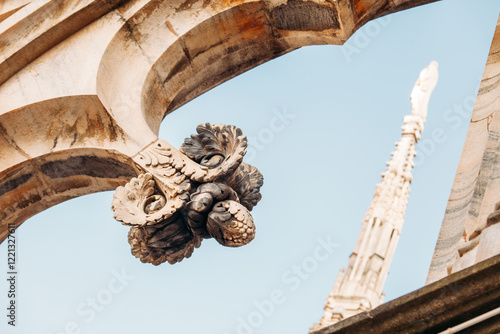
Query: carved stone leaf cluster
x: 203, y: 190
x: 246, y: 181
x: 171, y: 242
x: 213, y: 144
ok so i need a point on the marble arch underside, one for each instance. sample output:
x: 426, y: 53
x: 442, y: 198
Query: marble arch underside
x: 84, y: 85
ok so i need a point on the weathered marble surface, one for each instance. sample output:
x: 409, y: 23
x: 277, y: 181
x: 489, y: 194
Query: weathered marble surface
x: 467, y: 235
x: 84, y: 85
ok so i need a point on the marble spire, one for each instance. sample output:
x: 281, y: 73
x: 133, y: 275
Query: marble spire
x: 360, y: 287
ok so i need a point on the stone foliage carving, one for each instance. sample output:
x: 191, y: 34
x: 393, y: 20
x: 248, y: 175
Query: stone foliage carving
x: 201, y: 191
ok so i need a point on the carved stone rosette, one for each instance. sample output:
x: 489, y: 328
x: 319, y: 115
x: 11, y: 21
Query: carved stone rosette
x: 201, y: 191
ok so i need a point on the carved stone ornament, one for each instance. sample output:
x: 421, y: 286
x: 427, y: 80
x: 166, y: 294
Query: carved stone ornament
x: 201, y: 191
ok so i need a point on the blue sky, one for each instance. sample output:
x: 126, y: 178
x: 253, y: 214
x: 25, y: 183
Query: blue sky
x: 341, y: 109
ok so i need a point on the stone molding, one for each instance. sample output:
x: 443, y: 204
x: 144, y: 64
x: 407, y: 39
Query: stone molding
x: 436, y: 307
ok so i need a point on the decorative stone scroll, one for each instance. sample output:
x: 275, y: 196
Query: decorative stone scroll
x: 201, y: 191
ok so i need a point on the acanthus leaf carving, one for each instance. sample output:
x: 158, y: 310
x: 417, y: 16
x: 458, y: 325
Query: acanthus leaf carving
x: 219, y: 148
x: 246, y: 181
x: 170, y: 242
x: 203, y: 190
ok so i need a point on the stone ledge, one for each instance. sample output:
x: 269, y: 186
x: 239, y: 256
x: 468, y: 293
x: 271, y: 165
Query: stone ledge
x: 435, y: 307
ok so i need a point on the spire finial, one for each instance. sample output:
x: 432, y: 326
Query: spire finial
x: 422, y: 90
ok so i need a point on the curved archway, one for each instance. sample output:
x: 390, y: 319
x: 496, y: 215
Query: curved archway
x: 56, y: 150
x: 165, y: 54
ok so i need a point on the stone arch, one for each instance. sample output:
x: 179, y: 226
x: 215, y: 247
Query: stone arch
x: 53, y: 151
x: 163, y: 54
x: 31, y: 187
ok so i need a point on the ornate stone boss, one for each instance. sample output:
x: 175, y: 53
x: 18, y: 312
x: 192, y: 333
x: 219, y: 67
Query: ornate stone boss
x: 203, y: 190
